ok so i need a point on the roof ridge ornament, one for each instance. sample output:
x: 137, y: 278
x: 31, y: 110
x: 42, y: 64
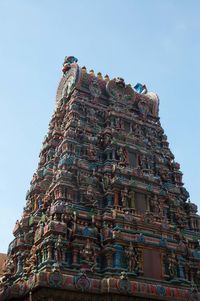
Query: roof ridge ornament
x: 68, y: 61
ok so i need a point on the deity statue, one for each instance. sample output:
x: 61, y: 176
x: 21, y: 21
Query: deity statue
x: 92, y: 152
x: 154, y: 204
x: 132, y: 258
x: 68, y: 61
x: 106, y: 181
x: 172, y: 265
x: 124, y: 197
x: 87, y: 254
x: 122, y: 156
x: 31, y: 262
x: 58, y: 248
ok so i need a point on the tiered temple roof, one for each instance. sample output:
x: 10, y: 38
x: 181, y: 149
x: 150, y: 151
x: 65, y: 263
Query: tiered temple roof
x: 107, y: 215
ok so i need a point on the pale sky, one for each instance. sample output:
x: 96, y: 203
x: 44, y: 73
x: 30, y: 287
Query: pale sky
x: 155, y: 42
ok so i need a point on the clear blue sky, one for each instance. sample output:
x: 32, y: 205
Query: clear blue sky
x: 147, y: 41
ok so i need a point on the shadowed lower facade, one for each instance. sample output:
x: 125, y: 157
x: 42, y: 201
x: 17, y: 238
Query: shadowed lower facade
x: 107, y: 216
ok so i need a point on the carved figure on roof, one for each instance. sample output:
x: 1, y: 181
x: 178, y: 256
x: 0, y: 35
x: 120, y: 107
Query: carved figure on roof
x: 118, y: 91
x: 68, y: 61
x: 154, y: 103
x: 148, y: 102
x: 139, y: 88
x: 94, y: 87
x: 120, y: 82
x: 143, y: 107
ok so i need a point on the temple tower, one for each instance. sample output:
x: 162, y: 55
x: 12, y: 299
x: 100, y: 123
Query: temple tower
x: 107, y: 215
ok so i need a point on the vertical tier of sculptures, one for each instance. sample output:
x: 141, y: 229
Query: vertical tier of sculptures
x: 106, y: 213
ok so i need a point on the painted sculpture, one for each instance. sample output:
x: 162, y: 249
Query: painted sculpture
x: 107, y: 213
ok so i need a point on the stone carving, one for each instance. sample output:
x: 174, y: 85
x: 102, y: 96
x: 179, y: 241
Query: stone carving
x: 132, y: 259
x: 117, y: 90
x: 107, y: 197
x: 94, y: 87
x: 68, y: 61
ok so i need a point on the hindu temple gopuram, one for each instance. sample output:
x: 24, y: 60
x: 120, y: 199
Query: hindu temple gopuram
x: 107, y: 216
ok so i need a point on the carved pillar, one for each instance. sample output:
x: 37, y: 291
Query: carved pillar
x: 75, y: 256
x: 116, y: 198
x: 132, y: 199
x: 49, y: 252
